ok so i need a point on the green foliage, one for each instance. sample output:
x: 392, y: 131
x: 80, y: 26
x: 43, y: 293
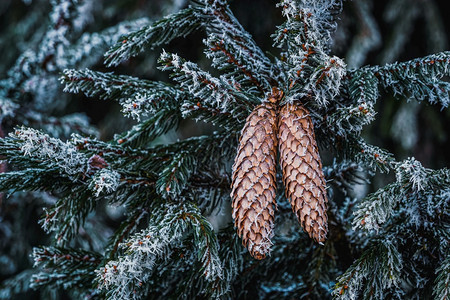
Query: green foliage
x: 66, y: 267
x: 171, y: 236
x: 442, y: 288
x: 153, y: 35
x: 373, y: 275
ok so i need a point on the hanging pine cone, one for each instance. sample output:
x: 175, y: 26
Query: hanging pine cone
x: 253, y: 187
x: 302, y: 170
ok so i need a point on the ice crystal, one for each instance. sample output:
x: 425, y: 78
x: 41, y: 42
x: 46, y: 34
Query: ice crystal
x: 62, y: 154
x: 104, y: 181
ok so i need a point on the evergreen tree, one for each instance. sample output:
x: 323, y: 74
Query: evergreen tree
x: 174, y: 235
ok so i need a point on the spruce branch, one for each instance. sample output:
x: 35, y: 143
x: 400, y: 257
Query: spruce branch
x: 33, y: 178
x: 179, y: 24
x: 90, y: 47
x: 178, y: 254
x: 371, y: 156
x: 7, y: 106
x: 41, y: 149
x: 64, y: 267
x: 51, y: 154
x: 368, y: 37
x: 66, y: 18
x: 414, y: 183
x: 128, y: 226
x: 174, y: 176
x: 422, y: 79
x: 125, y: 276
x: 350, y: 119
x: 373, y: 274
x: 209, y: 188
x: 400, y: 15
x: 442, y: 282
x: 319, y: 14
x: 35, y: 71
x: 347, y: 121
x: 80, y: 181
x: 62, y: 127
x: 142, y: 134
x: 306, y: 34
x: 376, y: 208
x: 321, y: 259
x: 215, y: 95
x: 68, y: 214
x: 138, y: 97
x: 232, y: 49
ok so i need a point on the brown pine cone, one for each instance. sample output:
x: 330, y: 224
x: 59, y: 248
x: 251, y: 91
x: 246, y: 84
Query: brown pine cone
x: 302, y: 170
x: 253, y: 181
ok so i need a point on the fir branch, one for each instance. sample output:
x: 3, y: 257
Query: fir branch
x: 90, y: 47
x: 179, y: 24
x: 370, y: 156
x: 442, y: 282
x: 232, y: 49
x: 420, y: 78
x: 350, y: 119
x: 414, y: 183
x: 128, y: 226
x: 142, y: 134
x: 215, y: 95
x: 126, y: 276
x: 373, y: 274
x: 312, y: 72
x: 174, y: 176
x: 41, y: 149
x: 137, y: 96
x: 64, y: 267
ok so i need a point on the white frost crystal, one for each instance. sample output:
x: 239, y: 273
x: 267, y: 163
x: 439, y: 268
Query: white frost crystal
x: 62, y: 154
x: 105, y: 181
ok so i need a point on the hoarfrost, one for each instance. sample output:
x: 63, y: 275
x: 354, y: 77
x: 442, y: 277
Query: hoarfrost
x: 105, y: 181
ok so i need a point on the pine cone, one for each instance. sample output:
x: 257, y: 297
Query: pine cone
x: 253, y: 187
x: 302, y: 170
